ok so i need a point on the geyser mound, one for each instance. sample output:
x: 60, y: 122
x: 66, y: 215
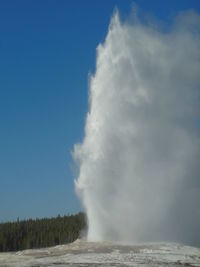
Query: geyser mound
x: 139, y: 176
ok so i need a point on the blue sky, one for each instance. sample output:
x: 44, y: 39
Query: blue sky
x: 47, y: 49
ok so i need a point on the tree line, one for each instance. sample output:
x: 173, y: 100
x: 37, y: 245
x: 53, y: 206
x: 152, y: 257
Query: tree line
x: 39, y: 233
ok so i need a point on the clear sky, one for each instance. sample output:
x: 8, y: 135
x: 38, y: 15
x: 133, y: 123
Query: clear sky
x: 47, y: 49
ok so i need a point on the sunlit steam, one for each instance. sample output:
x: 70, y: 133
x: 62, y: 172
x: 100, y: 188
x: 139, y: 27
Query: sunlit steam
x: 139, y: 176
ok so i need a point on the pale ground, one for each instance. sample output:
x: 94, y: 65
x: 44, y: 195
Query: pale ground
x: 83, y: 253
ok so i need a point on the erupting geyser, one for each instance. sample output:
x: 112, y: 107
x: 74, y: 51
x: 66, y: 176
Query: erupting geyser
x: 139, y: 176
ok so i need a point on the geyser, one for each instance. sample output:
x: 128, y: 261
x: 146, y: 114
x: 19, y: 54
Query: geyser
x: 139, y: 162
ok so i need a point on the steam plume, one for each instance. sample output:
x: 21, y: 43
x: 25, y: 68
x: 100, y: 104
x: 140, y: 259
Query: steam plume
x: 139, y: 176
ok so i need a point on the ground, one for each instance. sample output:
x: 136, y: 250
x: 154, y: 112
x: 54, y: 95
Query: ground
x: 83, y: 253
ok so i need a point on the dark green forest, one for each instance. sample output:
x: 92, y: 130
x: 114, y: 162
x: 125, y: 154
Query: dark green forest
x: 39, y: 233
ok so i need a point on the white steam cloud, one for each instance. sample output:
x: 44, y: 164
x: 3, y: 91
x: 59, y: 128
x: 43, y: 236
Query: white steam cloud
x: 139, y: 176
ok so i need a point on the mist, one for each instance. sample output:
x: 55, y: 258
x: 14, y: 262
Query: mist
x: 139, y: 162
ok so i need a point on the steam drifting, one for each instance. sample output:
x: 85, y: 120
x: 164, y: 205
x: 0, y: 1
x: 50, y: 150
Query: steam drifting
x: 139, y: 176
